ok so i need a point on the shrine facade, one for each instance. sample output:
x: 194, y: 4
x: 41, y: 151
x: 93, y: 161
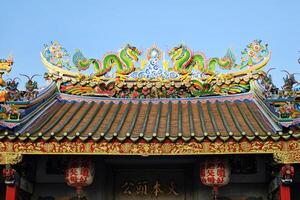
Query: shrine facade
x: 181, y: 126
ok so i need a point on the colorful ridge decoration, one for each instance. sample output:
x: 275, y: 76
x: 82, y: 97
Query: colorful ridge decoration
x: 125, y: 75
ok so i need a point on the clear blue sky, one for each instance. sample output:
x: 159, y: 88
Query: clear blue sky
x: 96, y: 27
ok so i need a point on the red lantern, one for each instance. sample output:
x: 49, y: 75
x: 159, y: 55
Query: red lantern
x: 287, y: 174
x: 215, y: 172
x: 9, y: 175
x: 79, y: 173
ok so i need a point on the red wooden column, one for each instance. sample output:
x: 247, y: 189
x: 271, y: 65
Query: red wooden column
x: 10, y: 177
x: 287, y: 174
x: 285, y: 192
x: 11, y: 192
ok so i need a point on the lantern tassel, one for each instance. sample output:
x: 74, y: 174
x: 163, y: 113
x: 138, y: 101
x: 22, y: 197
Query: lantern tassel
x: 79, y: 190
x: 215, y: 192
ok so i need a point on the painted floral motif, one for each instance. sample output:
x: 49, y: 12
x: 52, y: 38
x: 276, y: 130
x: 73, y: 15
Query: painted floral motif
x: 286, y: 110
x: 57, y: 55
x: 254, y: 53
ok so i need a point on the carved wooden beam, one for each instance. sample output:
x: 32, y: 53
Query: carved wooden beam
x: 284, y: 152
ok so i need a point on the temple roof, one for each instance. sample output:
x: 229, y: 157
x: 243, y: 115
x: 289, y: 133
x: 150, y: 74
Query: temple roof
x: 196, y: 106
x: 71, y: 117
x: 190, y: 101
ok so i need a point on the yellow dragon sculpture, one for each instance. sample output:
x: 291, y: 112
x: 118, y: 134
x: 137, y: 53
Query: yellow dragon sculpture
x: 5, y: 67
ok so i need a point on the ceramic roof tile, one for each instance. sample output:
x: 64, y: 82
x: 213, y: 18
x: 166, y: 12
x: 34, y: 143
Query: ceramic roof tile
x: 146, y: 119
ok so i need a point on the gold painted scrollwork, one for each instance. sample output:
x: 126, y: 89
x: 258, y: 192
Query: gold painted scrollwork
x: 287, y: 157
x: 10, y: 158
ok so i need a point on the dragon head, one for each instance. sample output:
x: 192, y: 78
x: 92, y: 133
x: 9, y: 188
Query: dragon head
x: 176, y: 51
x: 133, y: 52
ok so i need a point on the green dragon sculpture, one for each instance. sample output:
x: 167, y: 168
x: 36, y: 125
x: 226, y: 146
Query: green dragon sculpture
x: 185, y: 61
x: 254, y: 57
x: 124, y: 61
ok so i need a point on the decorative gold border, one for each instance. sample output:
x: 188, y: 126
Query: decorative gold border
x: 283, y: 151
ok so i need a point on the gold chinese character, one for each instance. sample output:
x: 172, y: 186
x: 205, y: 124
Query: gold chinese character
x: 142, y: 188
x: 127, y: 188
x: 172, y: 189
x: 157, y: 189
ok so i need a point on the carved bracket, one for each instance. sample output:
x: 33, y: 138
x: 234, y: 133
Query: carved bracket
x: 10, y: 158
x: 287, y: 157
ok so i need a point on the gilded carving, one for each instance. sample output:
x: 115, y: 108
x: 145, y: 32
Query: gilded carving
x: 290, y: 157
x: 293, y: 145
x: 245, y: 146
x: 10, y: 158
